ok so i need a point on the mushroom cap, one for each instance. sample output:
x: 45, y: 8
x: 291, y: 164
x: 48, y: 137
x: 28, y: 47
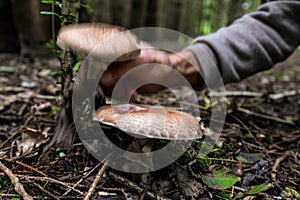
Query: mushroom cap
x: 106, y: 42
x: 150, y: 122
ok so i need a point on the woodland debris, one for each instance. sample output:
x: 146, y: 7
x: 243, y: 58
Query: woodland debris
x: 19, y: 188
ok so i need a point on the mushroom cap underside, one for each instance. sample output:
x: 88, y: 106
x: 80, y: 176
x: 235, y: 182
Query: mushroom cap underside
x: 106, y: 42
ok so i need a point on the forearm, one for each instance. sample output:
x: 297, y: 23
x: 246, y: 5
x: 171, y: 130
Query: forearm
x: 251, y: 44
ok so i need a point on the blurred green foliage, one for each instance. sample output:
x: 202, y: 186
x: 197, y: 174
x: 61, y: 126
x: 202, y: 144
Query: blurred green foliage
x: 191, y: 17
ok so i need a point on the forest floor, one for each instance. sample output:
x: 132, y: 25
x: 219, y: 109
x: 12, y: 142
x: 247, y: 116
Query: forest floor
x: 256, y: 157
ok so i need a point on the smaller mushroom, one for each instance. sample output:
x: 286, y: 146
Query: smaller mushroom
x: 151, y: 122
x: 146, y: 123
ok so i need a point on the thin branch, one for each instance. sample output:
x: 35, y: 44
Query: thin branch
x: 45, y: 179
x: 135, y: 187
x: 284, y: 94
x: 76, y: 184
x: 275, y: 96
x: 265, y: 116
x: 236, y: 93
x: 24, y: 165
x: 19, y: 188
x: 43, y: 189
x: 96, y: 180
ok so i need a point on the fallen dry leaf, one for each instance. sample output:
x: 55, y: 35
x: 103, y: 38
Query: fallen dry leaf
x: 31, y: 139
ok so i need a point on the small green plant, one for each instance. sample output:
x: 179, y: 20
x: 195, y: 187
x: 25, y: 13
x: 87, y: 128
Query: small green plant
x: 54, y: 111
x: 185, y: 158
x: 75, y: 170
x: 52, y: 44
x: 222, y: 179
x: 255, y: 190
x: 203, y: 163
x: 4, y: 182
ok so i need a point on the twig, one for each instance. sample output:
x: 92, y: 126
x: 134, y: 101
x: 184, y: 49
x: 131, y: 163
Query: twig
x: 96, y: 180
x: 240, y: 189
x: 8, y: 139
x: 15, y: 181
x: 24, y: 165
x: 280, y: 159
x: 256, y: 146
x: 295, y: 136
x: 146, y: 189
x: 134, y: 187
x: 256, y: 127
x: 9, y: 195
x: 45, y: 179
x: 78, y: 182
x: 236, y: 93
x: 265, y: 116
x: 46, y: 97
x: 226, y: 160
x: 11, y: 89
x: 284, y: 94
x: 255, y: 94
x: 43, y: 189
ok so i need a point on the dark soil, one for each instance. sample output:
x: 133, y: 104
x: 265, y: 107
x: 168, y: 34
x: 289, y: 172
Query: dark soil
x: 260, y: 142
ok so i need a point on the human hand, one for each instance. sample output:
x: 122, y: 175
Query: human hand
x: 150, y: 58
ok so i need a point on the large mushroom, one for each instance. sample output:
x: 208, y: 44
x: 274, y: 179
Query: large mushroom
x: 101, y: 44
x: 116, y: 44
x: 146, y: 124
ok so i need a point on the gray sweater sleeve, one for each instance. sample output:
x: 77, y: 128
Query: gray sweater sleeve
x: 253, y: 43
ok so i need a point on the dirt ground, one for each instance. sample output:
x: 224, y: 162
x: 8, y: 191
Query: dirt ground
x: 256, y: 157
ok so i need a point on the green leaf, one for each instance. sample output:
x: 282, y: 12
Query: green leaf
x: 221, y: 179
x: 56, y: 3
x: 53, y: 73
x: 48, y: 13
x: 258, y: 188
x: 76, y: 66
x: 205, y: 98
x: 289, y: 192
x: 6, y: 69
x: 88, y: 7
x: 62, y: 154
x: 241, y: 159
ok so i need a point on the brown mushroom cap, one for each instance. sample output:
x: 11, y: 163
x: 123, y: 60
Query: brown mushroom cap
x: 151, y: 122
x: 106, y: 42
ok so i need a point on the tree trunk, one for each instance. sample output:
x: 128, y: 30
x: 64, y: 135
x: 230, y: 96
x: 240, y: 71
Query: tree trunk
x: 121, y: 12
x: 235, y: 10
x: 102, y: 10
x: 151, y: 15
x: 138, y: 13
x: 9, y: 40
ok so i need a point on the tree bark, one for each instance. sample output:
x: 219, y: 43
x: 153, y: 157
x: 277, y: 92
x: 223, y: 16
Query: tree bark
x: 9, y: 40
x: 121, y: 12
x: 235, y: 10
x: 138, y: 13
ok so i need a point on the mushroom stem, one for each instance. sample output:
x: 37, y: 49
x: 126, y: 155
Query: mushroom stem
x: 139, y: 145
